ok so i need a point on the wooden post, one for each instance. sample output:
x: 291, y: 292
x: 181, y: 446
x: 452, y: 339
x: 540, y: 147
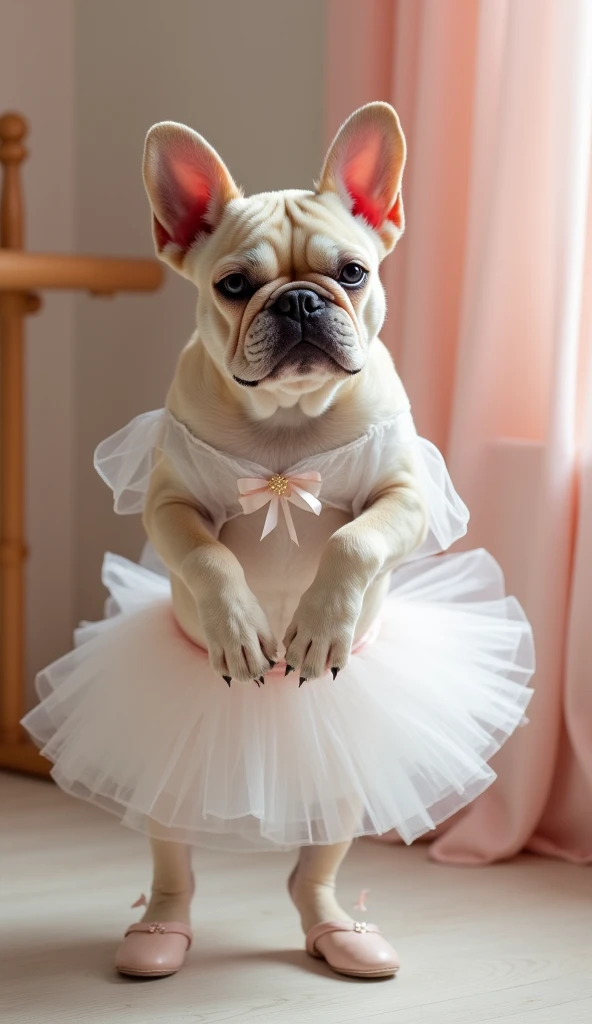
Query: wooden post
x: 13, y: 130
x: 13, y: 551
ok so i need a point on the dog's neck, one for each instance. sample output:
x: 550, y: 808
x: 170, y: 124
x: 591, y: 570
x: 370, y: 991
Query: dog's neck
x: 294, y: 403
x: 223, y: 414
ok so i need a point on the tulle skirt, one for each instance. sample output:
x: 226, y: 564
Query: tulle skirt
x: 135, y: 720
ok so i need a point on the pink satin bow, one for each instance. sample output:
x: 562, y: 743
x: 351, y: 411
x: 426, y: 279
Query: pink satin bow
x: 301, y: 490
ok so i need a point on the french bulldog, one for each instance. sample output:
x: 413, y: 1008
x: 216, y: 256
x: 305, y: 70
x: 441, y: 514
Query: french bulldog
x: 285, y: 363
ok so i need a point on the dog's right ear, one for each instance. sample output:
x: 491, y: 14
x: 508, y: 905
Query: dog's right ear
x: 188, y: 186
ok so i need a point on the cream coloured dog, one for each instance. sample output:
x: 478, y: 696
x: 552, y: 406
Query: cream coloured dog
x: 285, y: 363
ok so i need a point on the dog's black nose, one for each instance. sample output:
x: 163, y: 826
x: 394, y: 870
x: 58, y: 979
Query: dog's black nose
x: 299, y: 304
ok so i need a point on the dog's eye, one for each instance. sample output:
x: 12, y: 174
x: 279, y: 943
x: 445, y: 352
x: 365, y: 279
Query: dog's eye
x: 235, y: 286
x: 352, y: 274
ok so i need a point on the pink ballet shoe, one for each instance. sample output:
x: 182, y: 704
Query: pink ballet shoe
x: 354, y: 948
x: 151, y: 949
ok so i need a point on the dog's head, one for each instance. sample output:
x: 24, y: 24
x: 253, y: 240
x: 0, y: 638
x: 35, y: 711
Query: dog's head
x: 289, y: 297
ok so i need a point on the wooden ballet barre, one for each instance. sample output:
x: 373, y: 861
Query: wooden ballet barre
x: 100, y: 275
x: 21, y: 275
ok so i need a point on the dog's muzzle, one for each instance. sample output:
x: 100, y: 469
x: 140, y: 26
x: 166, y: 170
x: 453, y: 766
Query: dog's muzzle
x: 298, y: 332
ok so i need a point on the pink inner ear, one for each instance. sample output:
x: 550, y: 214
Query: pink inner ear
x: 364, y: 206
x: 373, y: 210
x: 186, y: 196
x: 361, y: 174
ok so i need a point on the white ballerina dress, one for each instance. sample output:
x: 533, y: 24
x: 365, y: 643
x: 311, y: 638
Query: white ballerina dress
x: 135, y: 720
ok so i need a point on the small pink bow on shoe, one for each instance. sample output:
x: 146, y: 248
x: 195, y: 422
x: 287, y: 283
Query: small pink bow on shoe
x: 360, y: 904
x: 301, y: 490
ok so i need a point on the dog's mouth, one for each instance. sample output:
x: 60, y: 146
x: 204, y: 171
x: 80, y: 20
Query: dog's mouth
x: 305, y: 359
x: 312, y: 355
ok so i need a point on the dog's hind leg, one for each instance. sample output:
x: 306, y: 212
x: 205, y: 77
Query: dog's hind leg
x: 172, y: 882
x: 312, y: 884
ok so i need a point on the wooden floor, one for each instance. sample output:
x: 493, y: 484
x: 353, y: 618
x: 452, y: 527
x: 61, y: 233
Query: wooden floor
x: 508, y: 943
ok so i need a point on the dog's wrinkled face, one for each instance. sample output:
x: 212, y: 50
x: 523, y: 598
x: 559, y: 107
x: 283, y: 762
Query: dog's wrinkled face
x: 288, y: 290
x: 289, y: 296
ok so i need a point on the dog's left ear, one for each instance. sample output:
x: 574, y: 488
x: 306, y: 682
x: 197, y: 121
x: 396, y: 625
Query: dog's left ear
x: 364, y: 166
x: 188, y: 186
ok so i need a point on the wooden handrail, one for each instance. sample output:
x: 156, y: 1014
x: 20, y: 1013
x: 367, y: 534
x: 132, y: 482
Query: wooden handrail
x: 101, y: 275
x: 21, y: 273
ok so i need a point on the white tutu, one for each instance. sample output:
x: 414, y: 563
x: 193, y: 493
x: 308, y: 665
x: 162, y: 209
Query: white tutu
x: 135, y: 720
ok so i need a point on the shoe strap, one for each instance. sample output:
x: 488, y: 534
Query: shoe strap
x: 327, y: 927
x: 162, y: 928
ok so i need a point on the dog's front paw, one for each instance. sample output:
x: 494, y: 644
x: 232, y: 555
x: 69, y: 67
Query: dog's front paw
x: 321, y: 634
x: 241, y: 644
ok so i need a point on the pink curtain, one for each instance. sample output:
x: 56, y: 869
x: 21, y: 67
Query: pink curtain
x: 490, y: 325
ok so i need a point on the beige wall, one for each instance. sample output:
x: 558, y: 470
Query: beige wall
x: 37, y: 79
x: 248, y: 74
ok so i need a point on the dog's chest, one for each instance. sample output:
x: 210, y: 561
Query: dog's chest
x: 278, y: 570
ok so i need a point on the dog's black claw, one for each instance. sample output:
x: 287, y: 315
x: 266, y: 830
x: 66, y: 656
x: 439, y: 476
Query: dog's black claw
x: 334, y: 672
x: 289, y: 668
x: 271, y: 663
x: 262, y: 680
x: 258, y: 683
x: 227, y: 679
x: 302, y: 680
